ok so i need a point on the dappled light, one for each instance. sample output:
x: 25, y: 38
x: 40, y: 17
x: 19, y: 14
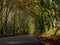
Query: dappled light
x: 31, y: 17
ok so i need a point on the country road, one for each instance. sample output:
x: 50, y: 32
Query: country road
x: 19, y: 40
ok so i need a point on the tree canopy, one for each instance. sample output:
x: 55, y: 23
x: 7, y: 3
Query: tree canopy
x: 29, y: 16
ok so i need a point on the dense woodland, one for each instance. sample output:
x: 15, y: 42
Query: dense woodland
x: 30, y: 17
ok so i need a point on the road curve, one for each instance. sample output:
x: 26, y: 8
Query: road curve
x: 19, y: 40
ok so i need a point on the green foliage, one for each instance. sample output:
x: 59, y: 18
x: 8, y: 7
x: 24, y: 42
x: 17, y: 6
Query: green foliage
x: 22, y: 16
